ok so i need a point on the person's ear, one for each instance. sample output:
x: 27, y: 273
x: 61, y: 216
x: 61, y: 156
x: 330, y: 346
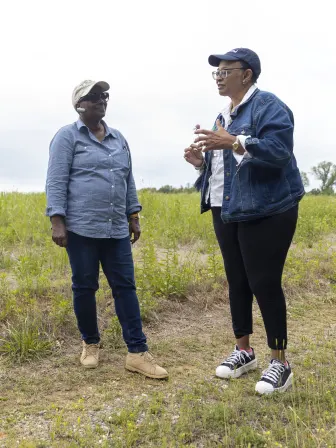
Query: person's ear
x: 247, y: 77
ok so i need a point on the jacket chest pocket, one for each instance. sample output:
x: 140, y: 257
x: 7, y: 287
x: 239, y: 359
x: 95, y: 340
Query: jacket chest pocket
x: 85, y: 157
x: 245, y: 129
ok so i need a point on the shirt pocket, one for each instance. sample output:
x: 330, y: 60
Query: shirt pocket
x: 85, y: 157
x: 121, y: 159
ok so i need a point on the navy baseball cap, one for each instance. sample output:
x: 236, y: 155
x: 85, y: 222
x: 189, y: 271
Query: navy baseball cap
x: 238, y: 54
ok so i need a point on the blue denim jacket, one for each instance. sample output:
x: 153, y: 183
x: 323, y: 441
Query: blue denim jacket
x: 267, y: 181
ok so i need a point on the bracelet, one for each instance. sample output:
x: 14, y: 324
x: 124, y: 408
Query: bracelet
x: 198, y: 168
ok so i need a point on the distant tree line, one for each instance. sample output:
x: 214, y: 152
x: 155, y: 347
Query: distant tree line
x: 169, y: 189
x: 325, y: 173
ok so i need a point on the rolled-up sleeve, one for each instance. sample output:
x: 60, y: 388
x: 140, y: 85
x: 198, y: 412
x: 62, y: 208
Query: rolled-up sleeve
x: 60, y: 161
x: 132, y: 201
x: 273, y: 144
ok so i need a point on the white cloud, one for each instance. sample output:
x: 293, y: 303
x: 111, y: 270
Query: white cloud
x: 154, y: 55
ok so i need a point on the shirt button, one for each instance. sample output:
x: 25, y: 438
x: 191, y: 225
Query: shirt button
x: 228, y: 173
x: 227, y: 198
x: 112, y: 186
x: 111, y: 170
x: 110, y: 220
x: 110, y: 155
x: 111, y: 203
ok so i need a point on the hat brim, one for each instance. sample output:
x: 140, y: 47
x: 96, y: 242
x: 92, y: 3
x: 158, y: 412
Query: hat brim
x: 215, y: 59
x: 99, y: 87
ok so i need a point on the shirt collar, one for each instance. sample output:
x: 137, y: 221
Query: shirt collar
x: 81, y: 125
x: 248, y: 94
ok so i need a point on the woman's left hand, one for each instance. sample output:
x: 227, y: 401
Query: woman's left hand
x: 134, y: 229
x: 219, y: 139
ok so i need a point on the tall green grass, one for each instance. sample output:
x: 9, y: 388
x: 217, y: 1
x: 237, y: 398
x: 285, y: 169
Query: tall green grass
x: 177, y: 254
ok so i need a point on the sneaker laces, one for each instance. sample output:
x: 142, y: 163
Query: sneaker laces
x: 236, y: 357
x: 273, y: 372
x: 91, y: 349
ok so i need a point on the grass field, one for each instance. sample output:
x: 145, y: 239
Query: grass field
x: 47, y: 400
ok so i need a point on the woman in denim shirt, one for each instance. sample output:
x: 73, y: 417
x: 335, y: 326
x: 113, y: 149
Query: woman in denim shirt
x: 250, y: 181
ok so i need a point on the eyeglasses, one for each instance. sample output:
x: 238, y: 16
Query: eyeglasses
x: 95, y: 97
x: 224, y: 73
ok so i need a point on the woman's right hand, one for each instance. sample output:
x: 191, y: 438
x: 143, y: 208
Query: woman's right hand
x: 194, y: 155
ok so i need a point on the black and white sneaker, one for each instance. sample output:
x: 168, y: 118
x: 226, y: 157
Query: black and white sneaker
x: 236, y: 364
x: 277, y: 377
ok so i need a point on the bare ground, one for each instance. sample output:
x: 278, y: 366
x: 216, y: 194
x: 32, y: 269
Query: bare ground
x: 188, y: 338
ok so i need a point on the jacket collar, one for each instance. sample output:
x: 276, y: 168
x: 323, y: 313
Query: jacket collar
x: 247, y: 98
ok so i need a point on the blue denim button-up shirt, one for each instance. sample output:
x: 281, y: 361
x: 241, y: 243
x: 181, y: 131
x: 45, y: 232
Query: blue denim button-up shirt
x: 90, y: 182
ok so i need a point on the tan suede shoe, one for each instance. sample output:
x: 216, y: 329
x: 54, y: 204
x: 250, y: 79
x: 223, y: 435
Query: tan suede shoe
x: 145, y: 364
x: 90, y: 355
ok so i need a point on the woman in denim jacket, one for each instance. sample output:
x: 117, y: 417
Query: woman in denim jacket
x: 250, y: 181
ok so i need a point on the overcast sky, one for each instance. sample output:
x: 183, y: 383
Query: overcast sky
x: 154, y: 55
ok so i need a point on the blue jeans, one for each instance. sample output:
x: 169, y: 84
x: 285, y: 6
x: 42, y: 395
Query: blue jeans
x: 116, y: 259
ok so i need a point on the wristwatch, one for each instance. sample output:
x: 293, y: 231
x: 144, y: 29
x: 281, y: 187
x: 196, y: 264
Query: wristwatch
x: 235, y: 144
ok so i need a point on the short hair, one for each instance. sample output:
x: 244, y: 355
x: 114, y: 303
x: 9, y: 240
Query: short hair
x: 246, y: 66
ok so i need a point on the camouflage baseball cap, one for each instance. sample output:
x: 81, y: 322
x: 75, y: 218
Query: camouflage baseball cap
x: 86, y: 87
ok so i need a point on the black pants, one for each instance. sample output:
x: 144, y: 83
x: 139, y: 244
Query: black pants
x: 254, y: 254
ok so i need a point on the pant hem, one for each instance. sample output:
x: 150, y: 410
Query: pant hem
x: 90, y: 341
x: 238, y: 336
x: 138, y: 349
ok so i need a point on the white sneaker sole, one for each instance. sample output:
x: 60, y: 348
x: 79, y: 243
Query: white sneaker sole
x: 260, y: 386
x: 238, y: 372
